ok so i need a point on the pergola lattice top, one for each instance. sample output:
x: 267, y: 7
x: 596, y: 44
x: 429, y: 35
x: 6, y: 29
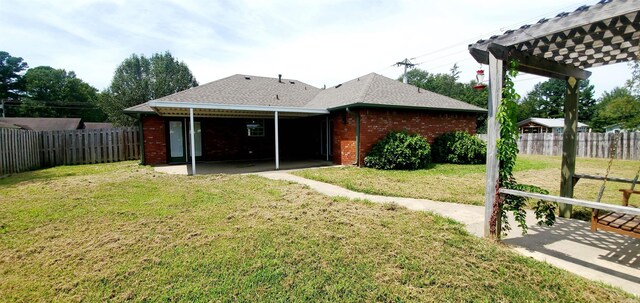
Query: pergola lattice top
x: 605, y: 33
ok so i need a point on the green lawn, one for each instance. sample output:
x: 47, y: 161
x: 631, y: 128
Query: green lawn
x: 465, y: 183
x: 120, y: 232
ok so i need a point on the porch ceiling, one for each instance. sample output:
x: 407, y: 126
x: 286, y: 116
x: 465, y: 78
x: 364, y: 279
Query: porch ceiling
x: 605, y: 33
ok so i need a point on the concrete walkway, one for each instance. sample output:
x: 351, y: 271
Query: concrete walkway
x: 600, y: 256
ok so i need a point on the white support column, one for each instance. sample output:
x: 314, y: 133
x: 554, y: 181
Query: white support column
x: 328, y: 138
x: 496, y: 75
x: 277, y: 142
x: 193, y: 142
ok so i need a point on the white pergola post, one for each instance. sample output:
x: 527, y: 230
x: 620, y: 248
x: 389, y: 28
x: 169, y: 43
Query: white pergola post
x: 193, y: 142
x: 496, y: 74
x: 328, y: 138
x: 277, y: 142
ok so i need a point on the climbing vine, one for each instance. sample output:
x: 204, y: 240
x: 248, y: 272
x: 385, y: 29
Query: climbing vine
x: 507, y: 147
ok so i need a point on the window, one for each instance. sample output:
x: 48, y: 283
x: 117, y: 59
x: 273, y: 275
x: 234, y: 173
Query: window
x: 255, y: 128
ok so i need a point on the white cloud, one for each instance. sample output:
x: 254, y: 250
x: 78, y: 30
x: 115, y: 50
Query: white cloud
x: 319, y: 42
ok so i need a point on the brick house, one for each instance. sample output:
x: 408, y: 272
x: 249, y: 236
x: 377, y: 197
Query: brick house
x: 248, y: 117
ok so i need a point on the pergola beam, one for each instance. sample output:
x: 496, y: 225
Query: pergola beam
x: 530, y: 64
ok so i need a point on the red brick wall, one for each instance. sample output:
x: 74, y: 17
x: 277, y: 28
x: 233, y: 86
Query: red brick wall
x: 155, y: 144
x: 376, y: 123
x: 343, y: 144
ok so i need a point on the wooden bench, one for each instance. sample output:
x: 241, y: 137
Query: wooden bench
x: 617, y: 222
x: 620, y: 219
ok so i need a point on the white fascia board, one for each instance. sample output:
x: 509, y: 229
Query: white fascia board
x: 258, y: 108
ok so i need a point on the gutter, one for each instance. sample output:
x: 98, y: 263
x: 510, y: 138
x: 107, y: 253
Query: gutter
x: 373, y: 105
x: 258, y: 108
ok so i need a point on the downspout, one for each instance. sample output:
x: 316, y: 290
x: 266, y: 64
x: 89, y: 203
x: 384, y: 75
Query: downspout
x: 141, y: 139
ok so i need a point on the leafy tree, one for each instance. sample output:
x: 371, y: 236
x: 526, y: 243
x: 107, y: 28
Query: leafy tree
x: 11, y: 83
x: 448, y: 85
x: 619, y: 106
x: 50, y: 92
x: 139, y: 79
x: 546, y: 100
x: 633, y: 84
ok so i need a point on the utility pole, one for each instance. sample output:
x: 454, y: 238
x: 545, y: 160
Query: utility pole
x: 2, y: 108
x: 407, y: 64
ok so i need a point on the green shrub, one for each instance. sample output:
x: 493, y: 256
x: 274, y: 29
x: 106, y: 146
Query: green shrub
x: 399, y: 150
x: 459, y: 148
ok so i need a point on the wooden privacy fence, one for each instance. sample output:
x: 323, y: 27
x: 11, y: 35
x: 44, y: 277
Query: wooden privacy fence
x: 590, y: 145
x: 23, y: 150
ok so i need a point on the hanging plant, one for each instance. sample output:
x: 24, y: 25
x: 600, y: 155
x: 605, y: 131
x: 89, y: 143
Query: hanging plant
x: 507, y: 147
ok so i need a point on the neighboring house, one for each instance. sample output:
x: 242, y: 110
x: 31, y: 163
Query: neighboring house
x: 9, y: 125
x: 44, y: 123
x: 236, y: 119
x: 97, y: 125
x: 617, y: 128
x: 547, y: 125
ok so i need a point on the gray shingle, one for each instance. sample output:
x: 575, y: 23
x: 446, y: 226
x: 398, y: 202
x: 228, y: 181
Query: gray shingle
x: 371, y: 89
x: 239, y: 90
x: 374, y: 89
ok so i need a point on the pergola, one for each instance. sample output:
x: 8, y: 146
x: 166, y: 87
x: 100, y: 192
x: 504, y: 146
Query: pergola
x: 561, y: 47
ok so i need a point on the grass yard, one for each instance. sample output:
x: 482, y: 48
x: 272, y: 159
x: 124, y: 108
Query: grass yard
x: 121, y: 232
x: 465, y: 183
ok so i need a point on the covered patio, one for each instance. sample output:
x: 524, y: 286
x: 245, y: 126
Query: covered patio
x: 226, y: 138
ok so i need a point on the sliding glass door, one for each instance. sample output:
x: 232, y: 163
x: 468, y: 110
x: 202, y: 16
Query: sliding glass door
x: 178, y: 147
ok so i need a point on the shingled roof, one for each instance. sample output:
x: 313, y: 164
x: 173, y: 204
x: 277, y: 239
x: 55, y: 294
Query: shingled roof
x: 377, y: 90
x: 368, y: 90
x: 248, y: 90
x: 45, y: 123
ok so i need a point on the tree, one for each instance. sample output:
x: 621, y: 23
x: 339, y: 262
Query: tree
x: 11, y: 84
x: 139, y: 79
x: 633, y: 84
x: 448, y: 85
x: 619, y: 106
x: 50, y: 92
x: 546, y: 100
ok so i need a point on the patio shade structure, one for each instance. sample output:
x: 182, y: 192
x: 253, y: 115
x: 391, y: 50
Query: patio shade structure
x: 561, y: 47
x: 192, y: 109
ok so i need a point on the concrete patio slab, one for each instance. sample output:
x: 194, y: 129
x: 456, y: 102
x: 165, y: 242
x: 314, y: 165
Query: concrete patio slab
x: 569, y: 244
x: 239, y: 167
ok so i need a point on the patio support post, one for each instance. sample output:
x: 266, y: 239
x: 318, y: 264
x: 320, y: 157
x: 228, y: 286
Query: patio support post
x: 193, y: 142
x: 277, y: 142
x: 569, y: 144
x: 491, y: 218
x: 328, y: 138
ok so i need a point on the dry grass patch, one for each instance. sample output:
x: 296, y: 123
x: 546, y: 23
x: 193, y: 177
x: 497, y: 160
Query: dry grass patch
x: 121, y: 232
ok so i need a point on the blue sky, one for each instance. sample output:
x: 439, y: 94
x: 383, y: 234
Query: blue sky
x: 319, y: 42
